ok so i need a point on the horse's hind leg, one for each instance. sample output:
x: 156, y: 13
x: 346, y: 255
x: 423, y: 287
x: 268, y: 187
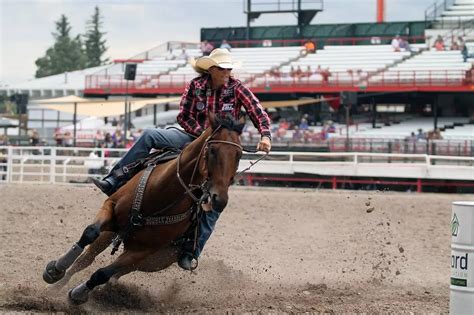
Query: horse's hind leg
x: 56, y: 269
x: 125, y: 263
x: 86, y: 259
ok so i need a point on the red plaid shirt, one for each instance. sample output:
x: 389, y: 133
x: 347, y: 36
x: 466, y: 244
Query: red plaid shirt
x: 198, y: 99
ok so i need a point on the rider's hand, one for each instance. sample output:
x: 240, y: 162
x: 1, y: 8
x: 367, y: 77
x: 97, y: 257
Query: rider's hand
x: 264, y: 144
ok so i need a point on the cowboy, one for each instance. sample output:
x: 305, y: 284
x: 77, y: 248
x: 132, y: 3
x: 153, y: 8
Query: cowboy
x: 215, y: 90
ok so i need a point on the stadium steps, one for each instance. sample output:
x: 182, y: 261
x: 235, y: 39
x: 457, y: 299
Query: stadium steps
x: 394, y: 64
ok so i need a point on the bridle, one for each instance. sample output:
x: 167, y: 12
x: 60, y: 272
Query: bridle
x: 204, y: 186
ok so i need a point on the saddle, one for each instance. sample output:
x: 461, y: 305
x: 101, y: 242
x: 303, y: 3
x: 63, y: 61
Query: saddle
x: 160, y: 156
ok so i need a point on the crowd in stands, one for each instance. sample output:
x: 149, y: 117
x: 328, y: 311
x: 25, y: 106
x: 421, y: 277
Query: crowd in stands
x: 297, y: 73
x: 421, y: 136
x: 400, y: 44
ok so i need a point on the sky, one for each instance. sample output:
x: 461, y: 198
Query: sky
x: 134, y: 26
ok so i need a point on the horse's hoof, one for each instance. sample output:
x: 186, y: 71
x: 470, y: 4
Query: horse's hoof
x: 78, y: 295
x: 51, y: 274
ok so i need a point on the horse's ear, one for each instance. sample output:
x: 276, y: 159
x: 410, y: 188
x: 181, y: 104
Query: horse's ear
x: 213, y: 121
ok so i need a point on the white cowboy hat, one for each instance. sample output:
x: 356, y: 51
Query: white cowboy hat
x: 219, y: 57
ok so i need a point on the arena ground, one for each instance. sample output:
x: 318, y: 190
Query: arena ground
x: 273, y: 250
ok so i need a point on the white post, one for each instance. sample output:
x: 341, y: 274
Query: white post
x: 52, y: 164
x: 462, y: 258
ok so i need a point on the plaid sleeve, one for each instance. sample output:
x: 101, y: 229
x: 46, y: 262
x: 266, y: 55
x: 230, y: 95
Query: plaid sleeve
x: 187, y: 112
x: 254, y: 109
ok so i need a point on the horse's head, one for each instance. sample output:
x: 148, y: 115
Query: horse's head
x: 222, y: 155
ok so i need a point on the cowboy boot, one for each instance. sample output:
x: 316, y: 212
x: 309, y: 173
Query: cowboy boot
x: 207, y: 224
x: 105, y: 185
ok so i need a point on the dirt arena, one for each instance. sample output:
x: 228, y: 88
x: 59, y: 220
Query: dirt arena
x: 273, y: 251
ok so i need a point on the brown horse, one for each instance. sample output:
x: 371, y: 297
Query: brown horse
x: 206, y: 166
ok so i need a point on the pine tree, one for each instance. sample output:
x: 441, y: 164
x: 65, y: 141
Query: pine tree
x: 65, y: 55
x: 94, y: 42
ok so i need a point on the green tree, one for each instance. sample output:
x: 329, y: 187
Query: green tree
x: 94, y: 43
x: 65, y: 55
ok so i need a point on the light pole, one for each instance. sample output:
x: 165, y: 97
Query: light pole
x: 130, y: 72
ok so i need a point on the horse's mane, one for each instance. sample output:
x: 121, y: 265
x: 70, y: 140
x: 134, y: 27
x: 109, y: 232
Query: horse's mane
x: 228, y: 122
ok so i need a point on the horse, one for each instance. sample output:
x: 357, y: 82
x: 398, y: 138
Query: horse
x: 205, y: 167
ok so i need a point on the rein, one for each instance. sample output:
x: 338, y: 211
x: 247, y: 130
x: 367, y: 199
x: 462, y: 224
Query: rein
x: 136, y: 219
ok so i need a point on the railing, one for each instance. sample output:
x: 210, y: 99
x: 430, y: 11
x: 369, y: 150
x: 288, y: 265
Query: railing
x: 51, y: 165
x: 321, y: 42
x: 434, y: 11
x: 376, y: 145
x: 443, y: 79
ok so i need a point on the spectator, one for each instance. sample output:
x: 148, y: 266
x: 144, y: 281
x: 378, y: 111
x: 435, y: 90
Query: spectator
x: 396, y: 43
x: 421, y: 135
x: 455, y: 45
x: 225, y: 45
x: 108, y: 141
x: 324, y: 73
x: 35, y: 138
x: 3, y: 140
x: 283, y: 127
x: 465, y: 53
x: 404, y: 45
x: 303, y: 124
x: 58, y: 137
x: 206, y: 48
x: 411, y: 138
x: 98, y: 139
x: 461, y: 43
x: 292, y: 72
x: 184, y: 55
x: 309, y: 46
x: 297, y: 134
x: 68, y: 140
x: 439, y: 43
x: 308, y: 72
x: 298, y: 72
x: 275, y: 72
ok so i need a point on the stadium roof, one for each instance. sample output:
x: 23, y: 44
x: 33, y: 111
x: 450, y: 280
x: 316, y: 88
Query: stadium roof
x: 99, y: 108
x: 67, y: 81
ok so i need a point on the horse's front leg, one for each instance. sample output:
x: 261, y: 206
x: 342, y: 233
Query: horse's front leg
x: 87, y: 258
x: 56, y: 269
x: 124, y: 264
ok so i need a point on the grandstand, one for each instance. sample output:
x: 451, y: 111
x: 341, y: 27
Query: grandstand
x: 356, y: 58
x: 431, y: 89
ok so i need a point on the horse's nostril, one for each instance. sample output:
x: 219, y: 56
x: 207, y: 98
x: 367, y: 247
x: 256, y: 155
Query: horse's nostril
x: 217, y: 203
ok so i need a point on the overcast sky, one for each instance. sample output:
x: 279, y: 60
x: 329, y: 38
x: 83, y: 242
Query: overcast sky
x: 133, y: 26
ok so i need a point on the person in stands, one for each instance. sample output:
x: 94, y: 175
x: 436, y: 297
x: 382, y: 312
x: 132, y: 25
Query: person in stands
x: 216, y: 91
x: 225, y: 45
x: 206, y: 48
x: 439, y: 43
x: 396, y: 43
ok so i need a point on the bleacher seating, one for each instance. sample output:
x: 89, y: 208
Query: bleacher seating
x: 460, y: 10
x: 254, y: 61
x: 346, y: 63
x: 445, y: 67
x: 404, y: 128
x: 465, y: 132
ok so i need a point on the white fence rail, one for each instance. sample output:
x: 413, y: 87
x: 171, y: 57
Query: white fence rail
x: 60, y: 165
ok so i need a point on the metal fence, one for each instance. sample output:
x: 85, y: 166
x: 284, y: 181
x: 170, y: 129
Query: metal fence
x: 57, y: 165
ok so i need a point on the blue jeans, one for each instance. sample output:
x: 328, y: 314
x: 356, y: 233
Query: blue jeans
x: 151, y: 139
x: 207, y: 224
